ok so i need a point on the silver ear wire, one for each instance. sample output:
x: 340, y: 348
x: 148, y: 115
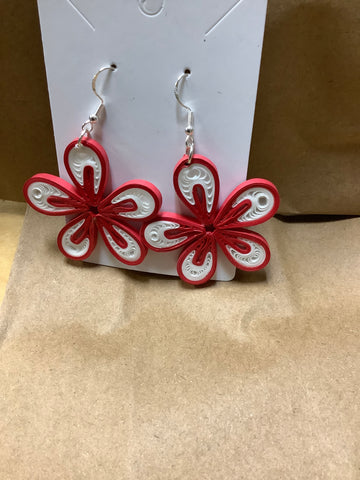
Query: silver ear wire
x: 93, y: 84
x: 189, y: 130
x: 88, y: 126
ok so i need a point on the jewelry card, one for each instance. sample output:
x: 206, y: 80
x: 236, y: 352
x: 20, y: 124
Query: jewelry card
x: 142, y: 126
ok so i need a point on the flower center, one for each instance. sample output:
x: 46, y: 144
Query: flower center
x: 209, y: 228
x: 93, y: 209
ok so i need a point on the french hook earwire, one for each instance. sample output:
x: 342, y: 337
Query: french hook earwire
x: 88, y: 126
x: 189, y: 130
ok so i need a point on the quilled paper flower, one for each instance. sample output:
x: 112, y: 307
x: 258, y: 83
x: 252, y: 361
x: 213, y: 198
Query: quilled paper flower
x: 197, y: 186
x: 88, y: 167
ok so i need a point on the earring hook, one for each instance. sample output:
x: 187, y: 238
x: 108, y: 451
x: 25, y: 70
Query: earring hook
x: 189, y: 130
x: 95, y: 77
x: 176, y: 90
x: 88, y: 126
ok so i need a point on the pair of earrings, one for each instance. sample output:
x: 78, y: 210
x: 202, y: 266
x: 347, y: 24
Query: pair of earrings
x: 196, y: 182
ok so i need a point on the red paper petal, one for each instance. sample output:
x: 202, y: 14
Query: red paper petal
x: 197, y: 263
x: 251, y: 203
x: 88, y: 168
x: 197, y: 186
x: 134, y: 200
x: 170, y: 231
x: 78, y: 238
x: 122, y: 241
x: 52, y: 195
x: 246, y: 250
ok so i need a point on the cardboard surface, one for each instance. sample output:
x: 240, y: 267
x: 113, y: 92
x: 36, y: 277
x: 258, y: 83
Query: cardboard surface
x: 11, y: 220
x: 107, y: 374
x: 26, y: 138
x: 306, y: 134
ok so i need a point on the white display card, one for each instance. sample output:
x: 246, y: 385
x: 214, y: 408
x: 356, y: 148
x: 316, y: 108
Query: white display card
x: 142, y: 128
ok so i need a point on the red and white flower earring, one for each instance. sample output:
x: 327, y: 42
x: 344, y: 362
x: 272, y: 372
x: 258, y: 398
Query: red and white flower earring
x: 196, y: 182
x: 87, y: 165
